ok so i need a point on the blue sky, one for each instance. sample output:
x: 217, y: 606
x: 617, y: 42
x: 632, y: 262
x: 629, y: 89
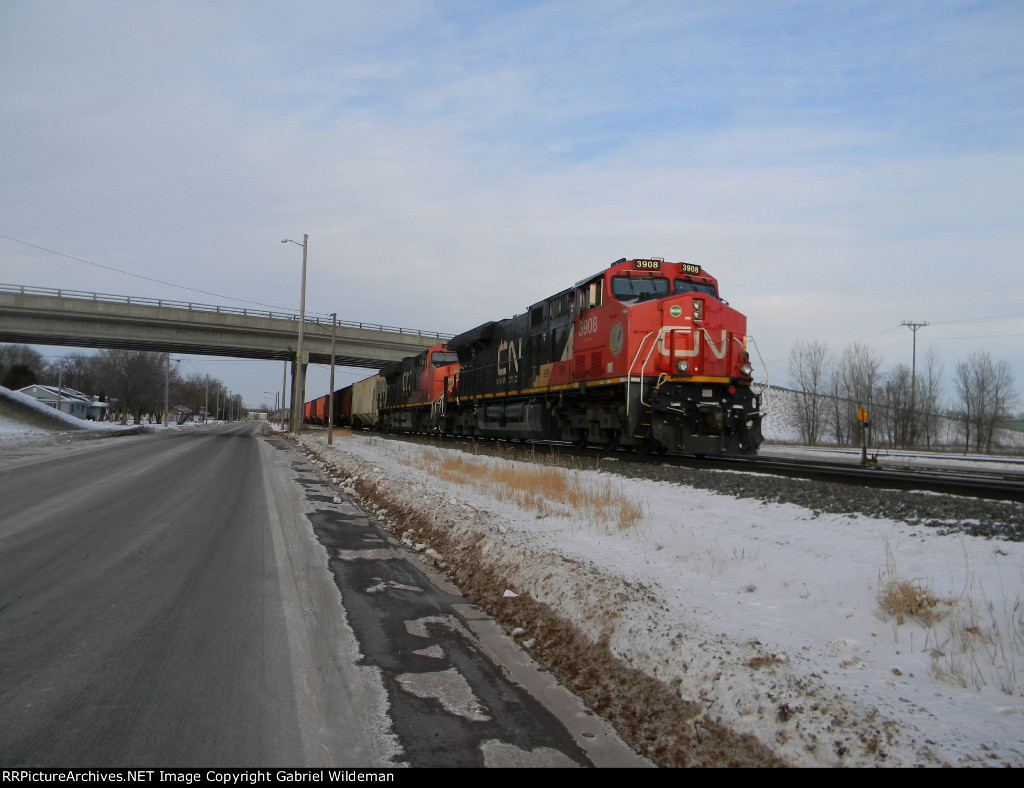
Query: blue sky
x: 839, y: 166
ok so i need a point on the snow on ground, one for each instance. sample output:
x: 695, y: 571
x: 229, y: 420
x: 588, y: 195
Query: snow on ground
x: 767, y: 616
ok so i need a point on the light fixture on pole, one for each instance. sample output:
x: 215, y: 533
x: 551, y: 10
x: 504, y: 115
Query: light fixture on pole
x: 298, y: 378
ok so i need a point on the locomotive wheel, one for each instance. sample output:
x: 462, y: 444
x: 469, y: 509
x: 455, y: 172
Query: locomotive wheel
x: 579, y: 439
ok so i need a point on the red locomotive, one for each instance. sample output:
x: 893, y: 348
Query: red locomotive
x: 644, y: 355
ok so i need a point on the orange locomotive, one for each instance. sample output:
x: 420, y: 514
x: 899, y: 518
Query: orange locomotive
x: 644, y: 354
x: 413, y: 397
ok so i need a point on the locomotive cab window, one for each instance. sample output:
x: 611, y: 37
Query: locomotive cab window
x: 639, y: 288
x: 443, y: 358
x: 590, y: 295
x: 689, y: 286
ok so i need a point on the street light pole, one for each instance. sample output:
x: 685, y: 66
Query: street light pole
x: 299, y: 377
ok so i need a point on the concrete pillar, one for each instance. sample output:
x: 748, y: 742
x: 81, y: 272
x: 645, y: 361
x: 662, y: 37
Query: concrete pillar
x: 298, y: 392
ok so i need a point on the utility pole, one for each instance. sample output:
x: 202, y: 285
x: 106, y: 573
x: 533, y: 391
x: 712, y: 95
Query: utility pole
x: 330, y: 399
x: 206, y: 404
x: 913, y: 378
x: 167, y: 386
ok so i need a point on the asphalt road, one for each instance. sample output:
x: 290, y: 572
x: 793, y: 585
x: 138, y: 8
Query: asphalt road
x: 177, y: 600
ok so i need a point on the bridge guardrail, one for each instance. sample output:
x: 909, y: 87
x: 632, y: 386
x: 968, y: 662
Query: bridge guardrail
x: 320, y: 320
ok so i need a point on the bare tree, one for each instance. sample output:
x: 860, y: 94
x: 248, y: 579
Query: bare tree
x: 136, y: 379
x: 194, y: 394
x: 808, y: 368
x: 20, y: 366
x: 78, y: 371
x: 855, y: 378
x: 929, y: 398
x: 895, y: 421
x: 987, y: 393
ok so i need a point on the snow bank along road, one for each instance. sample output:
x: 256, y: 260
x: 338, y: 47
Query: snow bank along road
x: 723, y: 618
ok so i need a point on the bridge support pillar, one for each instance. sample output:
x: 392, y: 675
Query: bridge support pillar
x: 298, y: 392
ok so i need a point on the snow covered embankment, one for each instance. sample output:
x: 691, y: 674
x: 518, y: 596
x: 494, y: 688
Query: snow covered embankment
x: 679, y: 686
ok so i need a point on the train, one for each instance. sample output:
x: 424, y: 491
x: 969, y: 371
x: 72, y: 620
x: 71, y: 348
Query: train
x: 644, y: 355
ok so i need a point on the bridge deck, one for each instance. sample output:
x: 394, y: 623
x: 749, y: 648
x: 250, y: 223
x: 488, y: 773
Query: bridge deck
x: 48, y: 316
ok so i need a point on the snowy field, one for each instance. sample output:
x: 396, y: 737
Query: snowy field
x: 768, y: 615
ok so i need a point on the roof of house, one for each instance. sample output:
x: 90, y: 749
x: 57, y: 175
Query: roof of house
x: 41, y: 392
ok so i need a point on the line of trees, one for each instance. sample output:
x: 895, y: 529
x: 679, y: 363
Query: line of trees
x: 906, y: 410
x: 133, y: 381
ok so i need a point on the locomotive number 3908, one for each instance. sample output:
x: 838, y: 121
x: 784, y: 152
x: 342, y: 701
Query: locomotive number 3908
x: 588, y: 326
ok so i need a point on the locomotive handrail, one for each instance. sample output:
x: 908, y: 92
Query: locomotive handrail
x: 760, y: 358
x: 629, y: 372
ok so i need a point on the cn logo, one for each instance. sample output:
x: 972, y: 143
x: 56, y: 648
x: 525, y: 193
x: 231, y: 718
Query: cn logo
x: 717, y: 349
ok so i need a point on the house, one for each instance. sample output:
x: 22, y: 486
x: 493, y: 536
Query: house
x: 72, y: 402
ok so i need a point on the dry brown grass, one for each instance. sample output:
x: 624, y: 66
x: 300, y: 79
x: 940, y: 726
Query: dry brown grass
x: 973, y: 641
x: 903, y: 598
x: 544, y: 490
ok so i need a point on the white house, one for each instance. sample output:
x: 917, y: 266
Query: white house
x: 72, y: 402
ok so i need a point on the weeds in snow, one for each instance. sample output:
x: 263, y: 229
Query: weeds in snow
x: 544, y: 490
x: 973, y: 641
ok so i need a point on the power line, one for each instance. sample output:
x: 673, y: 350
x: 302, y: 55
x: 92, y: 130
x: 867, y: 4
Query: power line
x: 141, y: 276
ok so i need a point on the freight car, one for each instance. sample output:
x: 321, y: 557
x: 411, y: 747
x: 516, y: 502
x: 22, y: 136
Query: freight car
x: 361, y: 412
x: 354, y: 406
x: 315, y: 411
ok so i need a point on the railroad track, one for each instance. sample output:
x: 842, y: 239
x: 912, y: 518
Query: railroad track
x: 989, y: 485
x: 996, y: 485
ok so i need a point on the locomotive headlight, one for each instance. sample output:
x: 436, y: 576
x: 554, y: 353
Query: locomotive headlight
x: 698, y: 309
x: 683, y: 366
x: 746, y: 369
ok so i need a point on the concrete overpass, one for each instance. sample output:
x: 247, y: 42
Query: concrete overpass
x: 48, y: 316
